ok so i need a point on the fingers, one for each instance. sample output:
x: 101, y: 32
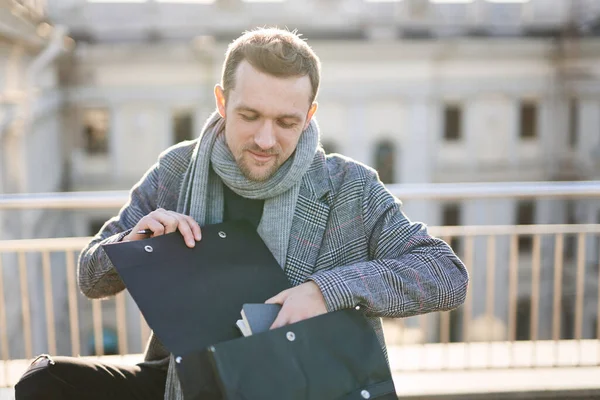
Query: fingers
x: 281, y: 320
x: 277, y: 299
x: 162, y: 222
x: 168, y: 220
x: 156, y: 227
x: 195, y: 227
x: 145, y: 223
x: 290, y: 314
x: 185, y: 229
x: 282, y: 316
x: 297, y: 304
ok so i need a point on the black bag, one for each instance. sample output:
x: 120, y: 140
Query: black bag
x: 329, y: 357
x: 191, y: 301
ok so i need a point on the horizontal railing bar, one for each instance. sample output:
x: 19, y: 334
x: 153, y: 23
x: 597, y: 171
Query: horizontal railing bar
x: 483, y: 230
x: 433, y: 191
x: 77, y: 243
x: 464, y: 191
x: 68, y: 200
x: 51, y: 244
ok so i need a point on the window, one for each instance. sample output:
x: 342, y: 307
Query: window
x: 528, y: 120
x: 525, y: 216
x: 452, y: 122
x: 451, y: 216
x: 385, y: 159
x: 329, y: 146
x: 95, y: 131
x: 183, y: 126
x: 573, y: 121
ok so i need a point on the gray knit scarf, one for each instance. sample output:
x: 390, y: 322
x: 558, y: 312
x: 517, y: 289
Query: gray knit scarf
x: 202, y: 197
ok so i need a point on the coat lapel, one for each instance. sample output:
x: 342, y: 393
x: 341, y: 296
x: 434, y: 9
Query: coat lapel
x: 309, y: 222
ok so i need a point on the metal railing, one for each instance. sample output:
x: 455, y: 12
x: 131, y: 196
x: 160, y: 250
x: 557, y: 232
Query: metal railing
x: 536, y: 307
x: 436, y: 191
x: 549, y: 341
x: 446, y: 355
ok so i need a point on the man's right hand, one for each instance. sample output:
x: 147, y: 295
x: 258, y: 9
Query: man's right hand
x: 161, y: 222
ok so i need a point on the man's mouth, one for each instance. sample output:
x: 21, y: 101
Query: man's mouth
x: 261, y: 157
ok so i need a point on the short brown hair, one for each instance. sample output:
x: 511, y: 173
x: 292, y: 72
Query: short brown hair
x: 275, y: 52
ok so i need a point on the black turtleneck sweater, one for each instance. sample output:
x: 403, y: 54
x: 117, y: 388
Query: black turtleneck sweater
x: 241, y: 208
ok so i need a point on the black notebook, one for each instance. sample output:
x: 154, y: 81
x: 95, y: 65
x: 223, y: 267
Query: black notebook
x: 257, y: 318
x: 191, y: 298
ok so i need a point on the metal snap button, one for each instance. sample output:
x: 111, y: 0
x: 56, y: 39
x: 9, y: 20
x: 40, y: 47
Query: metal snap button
x: 149, y: 249
x: 365, y: 394
x: 178, y: 360
x: 357, y: 308
x: 290, y: 336
x: 222, y: 235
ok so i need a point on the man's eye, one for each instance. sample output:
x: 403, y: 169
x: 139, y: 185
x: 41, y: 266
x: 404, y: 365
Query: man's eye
x: 248, y: 117
x: 286, y: 126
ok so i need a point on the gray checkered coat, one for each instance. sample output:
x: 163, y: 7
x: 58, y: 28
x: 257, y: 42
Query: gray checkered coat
x: 348, y: 235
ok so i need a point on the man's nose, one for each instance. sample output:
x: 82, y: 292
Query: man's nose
x: 265, y: 137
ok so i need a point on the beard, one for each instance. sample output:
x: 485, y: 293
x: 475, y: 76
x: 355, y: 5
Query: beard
x: 255, y: 171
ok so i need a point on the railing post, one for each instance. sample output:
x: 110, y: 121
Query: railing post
x: 3, y: 323
x: 97, y: 321
x: 580, y: 289
x: 490, y: 281
x: 25, y: 308
x: 535, y: 293
x: 469, y: 250
x: 49, y: 303
x: 513, y: 274
x: 557, y: 295
x: 73, y: 309
x: 122, y: 323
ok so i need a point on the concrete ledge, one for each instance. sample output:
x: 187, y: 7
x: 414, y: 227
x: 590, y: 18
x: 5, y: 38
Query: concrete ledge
x: 500, y: 370
x: 7, y: 394
x: 500, y: 382
x: 572, y: 394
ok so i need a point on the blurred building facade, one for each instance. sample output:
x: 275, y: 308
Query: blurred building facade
x: 424, y: 91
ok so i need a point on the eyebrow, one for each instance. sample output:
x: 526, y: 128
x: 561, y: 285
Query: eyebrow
x: 296, y: 117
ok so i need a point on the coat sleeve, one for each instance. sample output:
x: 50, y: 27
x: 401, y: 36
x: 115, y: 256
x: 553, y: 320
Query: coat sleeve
x: 96, y: 275
x: 409, y: 272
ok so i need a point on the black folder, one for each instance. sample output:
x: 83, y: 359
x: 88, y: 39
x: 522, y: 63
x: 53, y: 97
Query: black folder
x: 192, y: 297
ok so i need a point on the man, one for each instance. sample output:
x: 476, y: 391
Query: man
x: 330, y: 223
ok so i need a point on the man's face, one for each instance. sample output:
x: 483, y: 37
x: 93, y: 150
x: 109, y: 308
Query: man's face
x: 264, y: 118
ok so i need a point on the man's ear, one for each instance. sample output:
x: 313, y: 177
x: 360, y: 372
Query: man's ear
x: 311, y: 111
x: 220, y: 100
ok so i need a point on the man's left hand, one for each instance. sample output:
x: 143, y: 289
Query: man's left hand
x: 298, y: 303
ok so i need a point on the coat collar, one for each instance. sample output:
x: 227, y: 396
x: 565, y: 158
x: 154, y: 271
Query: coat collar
x: 316, y: 182
x: 309, y: 222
